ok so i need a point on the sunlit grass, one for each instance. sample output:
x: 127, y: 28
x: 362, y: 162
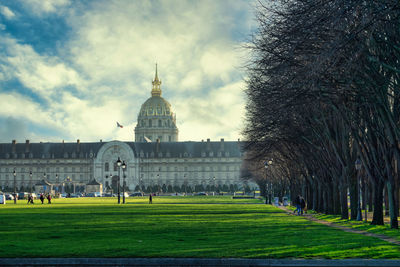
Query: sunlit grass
x: 362, y: 225
x: 98, y: 227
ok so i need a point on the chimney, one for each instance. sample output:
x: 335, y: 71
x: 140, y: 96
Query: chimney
x: 26, y: 146
x: 208, y: 144
x: 101, y: 140
x: 222, y: 144
x: 14, y: 146
x: 78, y: 147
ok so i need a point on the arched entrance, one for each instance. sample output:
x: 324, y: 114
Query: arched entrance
x: 114, y: 183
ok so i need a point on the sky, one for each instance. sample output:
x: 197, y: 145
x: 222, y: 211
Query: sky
x: 70, y: 69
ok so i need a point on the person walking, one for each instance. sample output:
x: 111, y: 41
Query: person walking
x: 41, y: 197
x: 302, y: 204
x: 297, y: 203
x: 150, y: 199
x: 48, y: 199
x: 30, y: 199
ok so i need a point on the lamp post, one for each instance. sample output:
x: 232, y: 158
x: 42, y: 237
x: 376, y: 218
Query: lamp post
x: 119, y: 163
x: 30, y: 180
x: 358, y: 168
x: 185, y: 183
x: 15, y: 186
x: 266, y: 165
x: 112, y: 189
x: 214, y: 185
x: 123, y: 183
x: 58, y: 183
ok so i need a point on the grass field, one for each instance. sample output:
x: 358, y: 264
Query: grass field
x: 97, y: 227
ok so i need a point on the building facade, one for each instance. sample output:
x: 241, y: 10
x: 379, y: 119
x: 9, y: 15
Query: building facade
x: 155, y: 161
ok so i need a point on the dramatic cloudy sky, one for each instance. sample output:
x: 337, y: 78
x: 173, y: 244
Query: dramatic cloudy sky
x: 71, y: 69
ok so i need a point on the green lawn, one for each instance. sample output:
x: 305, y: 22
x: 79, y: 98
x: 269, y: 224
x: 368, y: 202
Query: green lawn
x: 376, y: 229
x: 97, y: 227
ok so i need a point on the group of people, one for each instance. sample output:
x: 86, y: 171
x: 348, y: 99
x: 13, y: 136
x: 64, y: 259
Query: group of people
x: 41, y: 197
x: 300, y: 205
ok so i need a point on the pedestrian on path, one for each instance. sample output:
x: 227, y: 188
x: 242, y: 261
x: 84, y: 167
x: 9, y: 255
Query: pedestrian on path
x: 297, y: 203
x: 302, y: 204
x: 48, y: 199
x: 41, y: 197
x: 150, y: 199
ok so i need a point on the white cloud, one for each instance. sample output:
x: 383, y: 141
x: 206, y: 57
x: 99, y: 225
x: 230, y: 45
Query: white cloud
x: 43, y: 7
x: 6, y: 12
x: 217, y: 115
x: 43, y: 74
x: 107, y: 66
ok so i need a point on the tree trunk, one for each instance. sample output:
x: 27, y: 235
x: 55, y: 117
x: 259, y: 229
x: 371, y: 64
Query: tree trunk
x: 353, y: 198
x: 386, y: 200
x: 344, y: 205
x: 314, y: 197
x: 370, y: 197
x: 391, y: 188
x: 363, y: 193
x: 377, y: 218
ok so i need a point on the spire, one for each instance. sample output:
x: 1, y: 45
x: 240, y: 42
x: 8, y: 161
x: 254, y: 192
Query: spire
x: 156, y: 91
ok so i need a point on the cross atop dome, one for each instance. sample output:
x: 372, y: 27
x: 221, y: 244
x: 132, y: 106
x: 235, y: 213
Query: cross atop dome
x: 156, y: 91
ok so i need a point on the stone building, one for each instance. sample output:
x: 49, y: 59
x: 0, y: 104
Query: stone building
x: 156, y: 159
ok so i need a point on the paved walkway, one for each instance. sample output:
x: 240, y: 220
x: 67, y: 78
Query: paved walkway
x: 344, y: 228
x: 192, y: 262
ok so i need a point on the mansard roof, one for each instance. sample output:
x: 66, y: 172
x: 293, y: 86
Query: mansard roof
x: 187, y: 149
x: 93, y: 182
x: 43, y: 182
x: 147, y: 150
x: 49, y: 150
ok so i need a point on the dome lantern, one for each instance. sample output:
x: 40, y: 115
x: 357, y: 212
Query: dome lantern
x: 156, y: 91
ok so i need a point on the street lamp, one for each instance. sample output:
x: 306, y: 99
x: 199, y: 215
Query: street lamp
x: 123, y: 184
x: 358, y: 168
x: 214, y: 185
x: 30, y: 180
x: 119, y: 163
x: 266, y: 165
x: 58, y: 183
x: 15, y: 186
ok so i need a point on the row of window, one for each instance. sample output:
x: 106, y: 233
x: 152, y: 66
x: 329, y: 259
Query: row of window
x: 44, y: 169
x: 187, y: 176
x: 49, y: 177
x: 156, y: 123
x: 155, y: 111
x: 48, y: 156
x: 185, y: 155
x: 196, y: 168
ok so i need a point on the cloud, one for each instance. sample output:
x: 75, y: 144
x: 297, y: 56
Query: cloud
x: 6, y: 12
x: 45, y: 7
x: 42, y: 74
x: 102, y: 70
x: 217, y: 115
x: 13, y: 129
